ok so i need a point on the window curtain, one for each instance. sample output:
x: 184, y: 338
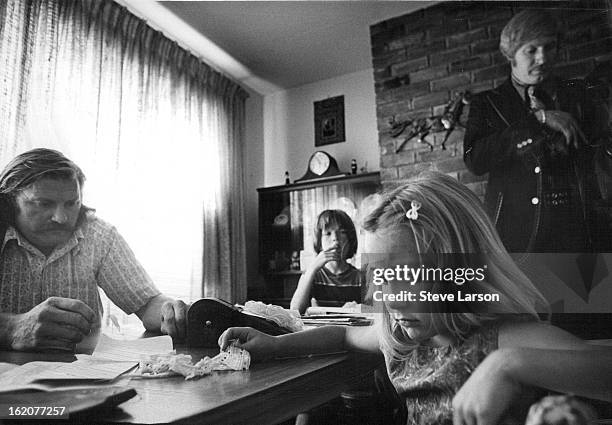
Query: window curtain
x: 158, y: 133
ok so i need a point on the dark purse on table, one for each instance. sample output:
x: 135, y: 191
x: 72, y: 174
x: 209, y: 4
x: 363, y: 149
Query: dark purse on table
x: 208, y: 318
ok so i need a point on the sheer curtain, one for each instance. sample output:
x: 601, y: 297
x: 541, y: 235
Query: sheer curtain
x: 158, y: 133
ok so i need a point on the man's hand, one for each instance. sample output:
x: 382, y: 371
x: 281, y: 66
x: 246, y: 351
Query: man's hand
x: 565, y: 123
x: 55, y: 324
x: 174, y: 318
x: 166, y: 315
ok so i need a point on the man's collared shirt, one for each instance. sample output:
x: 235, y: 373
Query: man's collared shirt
x: 95, y: 256
x: 547, y: 87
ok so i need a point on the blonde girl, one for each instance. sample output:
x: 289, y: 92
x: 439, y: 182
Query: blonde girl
x: 467, y: 367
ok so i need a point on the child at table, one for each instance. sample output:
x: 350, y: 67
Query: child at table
x: 463, y: 367
x: 331, y: 277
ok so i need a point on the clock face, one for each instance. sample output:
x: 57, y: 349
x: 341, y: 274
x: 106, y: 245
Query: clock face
x: 319, y: 163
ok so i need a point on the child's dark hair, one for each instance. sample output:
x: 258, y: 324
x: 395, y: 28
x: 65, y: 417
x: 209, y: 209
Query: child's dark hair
x: 341, y: 220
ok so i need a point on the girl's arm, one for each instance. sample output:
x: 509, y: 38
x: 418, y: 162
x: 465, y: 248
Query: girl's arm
x: 532, y: 354
x: 301, y: 297
x: 326, y: 339
x: 542, y: 355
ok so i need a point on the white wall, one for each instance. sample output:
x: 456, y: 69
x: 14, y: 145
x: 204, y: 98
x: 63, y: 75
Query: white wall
x: 289, y: 126
x: 280, y: 136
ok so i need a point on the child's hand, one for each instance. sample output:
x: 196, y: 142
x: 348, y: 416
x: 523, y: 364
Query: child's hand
x: 260, y: 346
x: 486, y: 395
x: 324, y: 257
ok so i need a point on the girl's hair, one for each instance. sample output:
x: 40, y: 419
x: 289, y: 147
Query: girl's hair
x: 341, y: 220
x: 451, y: 220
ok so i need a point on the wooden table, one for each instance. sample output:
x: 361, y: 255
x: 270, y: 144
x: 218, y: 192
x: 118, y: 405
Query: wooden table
x: 268, y: 393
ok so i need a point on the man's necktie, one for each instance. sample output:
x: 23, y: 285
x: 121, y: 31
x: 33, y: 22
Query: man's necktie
x: 537, y: 98
x: 533, y: 102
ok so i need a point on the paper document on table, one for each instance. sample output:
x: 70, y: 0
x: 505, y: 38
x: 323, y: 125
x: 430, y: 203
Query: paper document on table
x: 131, y: 350
x: 31, y: 375
x: 110, y: 359
x: 318, y: 310
x: 5, y: 367
x: 344, y: 321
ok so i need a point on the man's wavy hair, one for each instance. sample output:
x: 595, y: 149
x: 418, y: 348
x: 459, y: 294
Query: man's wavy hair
x: 525, y: 26
x: 28, y: 168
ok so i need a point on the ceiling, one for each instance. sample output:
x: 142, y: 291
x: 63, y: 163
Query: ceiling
x: 291, y: 43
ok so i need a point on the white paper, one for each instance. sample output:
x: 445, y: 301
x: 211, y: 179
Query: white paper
x: 131, y: 350
x: 28, y: 375
x: 110, y: 359
x: 5, y: 367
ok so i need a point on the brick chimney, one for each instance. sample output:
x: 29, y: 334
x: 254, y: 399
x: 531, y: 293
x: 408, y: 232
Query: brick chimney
x: 422, y: 59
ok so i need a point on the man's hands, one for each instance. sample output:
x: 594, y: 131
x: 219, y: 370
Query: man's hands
x: 55, y: 324
x: 487, y: 394
x: 174, y: 318
x: 166, y: 315
x: 564, y: 123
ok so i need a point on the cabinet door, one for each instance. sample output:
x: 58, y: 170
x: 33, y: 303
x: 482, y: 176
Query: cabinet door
x: 275, y: 241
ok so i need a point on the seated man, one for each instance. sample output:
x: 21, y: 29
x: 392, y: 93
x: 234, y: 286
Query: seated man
x: 56, y: 253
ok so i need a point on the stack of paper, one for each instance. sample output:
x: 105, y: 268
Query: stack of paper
x: 110, y: 359
x: 131, y: 350
x: 337, y: 319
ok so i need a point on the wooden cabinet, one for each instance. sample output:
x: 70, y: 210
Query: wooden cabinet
x: 287, y: 216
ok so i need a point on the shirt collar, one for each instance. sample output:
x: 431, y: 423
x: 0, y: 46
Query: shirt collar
x: 547, y: 85
x: 520, y: 87
x: 13, y: 234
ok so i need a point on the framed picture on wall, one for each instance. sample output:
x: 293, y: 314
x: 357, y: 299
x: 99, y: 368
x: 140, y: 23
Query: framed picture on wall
x: 329, y: 121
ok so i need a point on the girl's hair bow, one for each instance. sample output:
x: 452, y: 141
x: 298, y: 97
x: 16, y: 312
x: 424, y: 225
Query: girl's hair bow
x: 412, y: 213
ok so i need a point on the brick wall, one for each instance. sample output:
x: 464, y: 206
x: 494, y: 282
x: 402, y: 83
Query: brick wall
x: 422, y: 59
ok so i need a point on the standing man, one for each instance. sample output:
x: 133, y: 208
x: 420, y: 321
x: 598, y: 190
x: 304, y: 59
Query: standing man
x: 536, y: 135
x: 56, y: 254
